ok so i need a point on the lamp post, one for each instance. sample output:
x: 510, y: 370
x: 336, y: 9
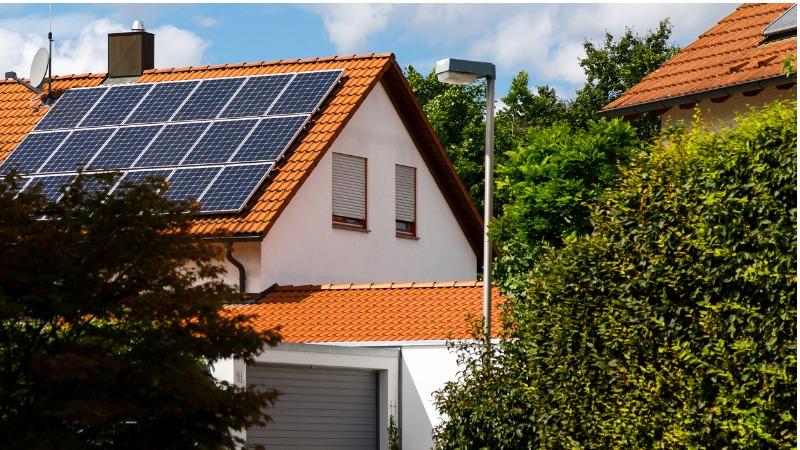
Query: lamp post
x: 460, y: 72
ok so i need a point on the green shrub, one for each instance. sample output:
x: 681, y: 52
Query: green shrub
x: 673, y: 325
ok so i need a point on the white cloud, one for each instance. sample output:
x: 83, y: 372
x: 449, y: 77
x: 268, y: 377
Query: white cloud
x: 544, y: 39
x: 176, y: 47
x: 81, y: 44
x: 205, y: 21
x: 350, y: 26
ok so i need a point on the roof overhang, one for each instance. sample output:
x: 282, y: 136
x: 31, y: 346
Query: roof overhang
x: 697, y: 96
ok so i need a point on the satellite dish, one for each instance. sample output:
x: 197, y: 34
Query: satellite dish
x: 39, y: 67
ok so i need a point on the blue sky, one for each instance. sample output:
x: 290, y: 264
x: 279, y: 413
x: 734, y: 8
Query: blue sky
x: 544, y: 39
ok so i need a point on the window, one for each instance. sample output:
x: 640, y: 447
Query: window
x: 405, y: 200
x: 349, y: 191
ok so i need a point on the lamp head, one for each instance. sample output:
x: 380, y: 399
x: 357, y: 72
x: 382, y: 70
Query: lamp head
x: 461, y: 71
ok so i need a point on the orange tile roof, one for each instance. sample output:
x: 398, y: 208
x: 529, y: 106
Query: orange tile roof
x: 732, y: 52
x: 361, y: 74
x: 19, y: 107
x: 371, y: 312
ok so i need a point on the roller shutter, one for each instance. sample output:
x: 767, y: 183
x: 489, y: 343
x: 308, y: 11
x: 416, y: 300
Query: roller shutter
x: 320, y: 408
x: 405, y: 193
x: 349, y: 186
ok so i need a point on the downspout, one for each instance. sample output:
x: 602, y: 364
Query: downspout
x: 229, y: 257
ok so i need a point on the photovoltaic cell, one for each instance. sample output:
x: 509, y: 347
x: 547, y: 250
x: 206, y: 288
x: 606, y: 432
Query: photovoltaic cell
x: 219, y: 143
x: 190, y: 183
x: 305, y: 92
x: 139, y: 176
x: 124, y: 147
x: 234, y: 186
x: 50, y: 185
x: 256, y: 96
x: 98, y: 182
x: 270, y: 138
x: 33, y: 151
x: 68, y: 111
x: 77, y: 150
x: 169, y: 148
x: 115, y: 106
x: 208, y: 99
x: 162, y: 102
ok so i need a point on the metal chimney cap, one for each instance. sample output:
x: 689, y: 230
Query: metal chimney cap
x: 138, y: 25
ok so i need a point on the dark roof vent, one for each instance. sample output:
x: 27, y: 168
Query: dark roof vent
x: 130, y: 53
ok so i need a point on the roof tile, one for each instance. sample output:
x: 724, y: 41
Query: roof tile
x: 370, y: 312
x: 725, y: 55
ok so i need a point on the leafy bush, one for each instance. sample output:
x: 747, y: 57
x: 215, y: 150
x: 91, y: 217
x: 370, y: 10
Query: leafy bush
x: 672, y: 326
x: 546, y: 184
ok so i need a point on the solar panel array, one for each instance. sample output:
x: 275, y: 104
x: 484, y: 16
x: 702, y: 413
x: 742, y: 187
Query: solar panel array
x: 214, y: 140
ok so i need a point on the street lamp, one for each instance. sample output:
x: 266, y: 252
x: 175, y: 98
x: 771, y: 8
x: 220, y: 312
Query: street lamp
x: 460, y: 71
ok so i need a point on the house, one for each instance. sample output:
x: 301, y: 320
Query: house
x: 736, y: 64
x: 349, y: 237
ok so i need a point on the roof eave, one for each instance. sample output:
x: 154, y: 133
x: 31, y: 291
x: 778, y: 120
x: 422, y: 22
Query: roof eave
x: 697, y: 96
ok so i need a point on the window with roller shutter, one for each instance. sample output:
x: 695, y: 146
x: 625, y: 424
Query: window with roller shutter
x: 349, y: 191
x: 405, y: 200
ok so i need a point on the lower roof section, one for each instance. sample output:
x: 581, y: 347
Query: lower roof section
x: 384, y: 312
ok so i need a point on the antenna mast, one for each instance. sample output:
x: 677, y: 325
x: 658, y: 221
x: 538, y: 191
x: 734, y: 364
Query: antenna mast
x: 50, y: 55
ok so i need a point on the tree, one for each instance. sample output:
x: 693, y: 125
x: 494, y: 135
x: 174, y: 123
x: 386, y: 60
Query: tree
x: 545, y: 187
x: 615, y: 67
x: 524, y: 109
x: 109, y: 318
x: 673, y: 325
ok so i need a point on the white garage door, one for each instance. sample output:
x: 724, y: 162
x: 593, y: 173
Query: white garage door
x: 319, y: 408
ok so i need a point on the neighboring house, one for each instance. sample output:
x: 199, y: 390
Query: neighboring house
x: 737, y: 64
x: 350, y: 244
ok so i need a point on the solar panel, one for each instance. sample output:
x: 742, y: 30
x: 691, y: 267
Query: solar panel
x: 33, y: 151
x: 208, y: 99
x: 214, y: 139
x: 234, y: 187
x: 50, y: 185
x: 70, y: 108
x: 305, y: 92
x: 191, y: 183
x: 174, y: 142
x: 256, y: 96
x: 787, y: 22
x: 162, y: 102
x: 103, y: 181
x: 77, y: 150
x: 115, y: 106
x: 269, y: 139
x: 125, y: 146
x: 219, y: 142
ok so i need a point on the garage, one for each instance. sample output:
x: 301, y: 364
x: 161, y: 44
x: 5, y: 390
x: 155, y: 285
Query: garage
x: 319, y: 407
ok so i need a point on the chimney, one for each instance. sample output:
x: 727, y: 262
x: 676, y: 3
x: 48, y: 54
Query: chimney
x: 130, y: 53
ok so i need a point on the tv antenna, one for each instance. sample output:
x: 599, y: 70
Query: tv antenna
x: 41, y: 67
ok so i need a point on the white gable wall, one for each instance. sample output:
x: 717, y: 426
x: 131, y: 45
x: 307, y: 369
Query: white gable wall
x: 303, y: 247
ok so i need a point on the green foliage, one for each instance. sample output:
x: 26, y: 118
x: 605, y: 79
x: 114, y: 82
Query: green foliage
x: 673, y: 325
x: 545, y: 187
x: 394, y: 434
x: 109, y: 314
x: 615, y: 67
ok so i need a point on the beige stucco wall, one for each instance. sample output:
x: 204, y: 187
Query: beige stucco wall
x: 722, y: 114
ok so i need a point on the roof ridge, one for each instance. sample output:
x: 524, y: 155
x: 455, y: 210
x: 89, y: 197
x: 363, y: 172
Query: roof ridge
x: 275, y: 62
x: 386, y: 285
